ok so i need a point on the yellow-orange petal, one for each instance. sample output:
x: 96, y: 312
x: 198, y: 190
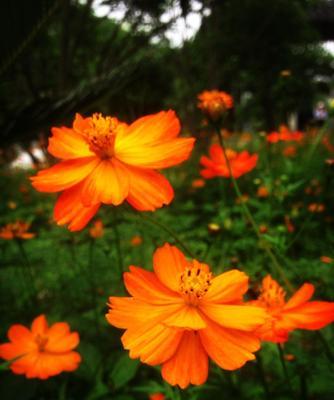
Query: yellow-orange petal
x: 226, y: 287
x: 24, y: 364
x: 66, y: 143
x: 187, y: 317
x: 159, y: 156
x: 150, y: 129
x: 108, y: 183
x: 245, y: 318
x: 148, y: 190
x: 311, y: 315
x: 64, y: 175
x: 189, y: 365
x: 153, y: 344
x: 302, y: 295
x: 229, y: 348
x: 169, y: 263
x: 9, y: 351
x: 39, y: 325
x: 70, y: 210
x: 19, y: 334
x: 127, y: 312
x: 81, y: 124
x: 145, y: 286
x: 60, y: 339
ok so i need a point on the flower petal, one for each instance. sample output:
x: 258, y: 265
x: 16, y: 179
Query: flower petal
x: 60, y: 339
x: 153, y: 344
x: 302, y: 295
x: 311, y: 315
x: 65, y: 143
x: 227, y: 287
x: 189, y: 363
x: 229, y: 348
x: 39, y: 325
x: 127, y: 312
x: 19, y: 334
x: 169, y: 263
x: 148, y: 190
x: 245, y: 318
x: 64, y: 175
x: 108, y: 183
x: 145, y: 286
x: 70, y: 210
x: 187, y: 317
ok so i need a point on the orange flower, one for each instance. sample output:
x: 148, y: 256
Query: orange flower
x: 157, y: 396
x: 326, y: 259
x: 96, y: 231
x: 296, y: 313
x: 288, y: 223
x: 262, y: 191
x: 290, y: 151
x: 284, y: 134
x: 240, y: 163
x: 179, y: 315
x: 316, y: 207
x: 214, y: 103
x: 263, y: 228
x: 136, y: 240
x: 16, y: 230
x: 105, y: 161
x: 198, y: 183
x: 42, y: 351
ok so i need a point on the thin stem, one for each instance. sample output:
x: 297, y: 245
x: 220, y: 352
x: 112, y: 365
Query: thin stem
x: 27, y: 267
x: 262, y: 375
x: 118, y: 245
x: 169, y: 231
x: 91, y: 276
x: 285, y: 370
x: 249, y: 217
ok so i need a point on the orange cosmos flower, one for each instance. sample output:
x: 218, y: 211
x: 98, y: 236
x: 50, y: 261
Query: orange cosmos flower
x: 42, y: 351
x: 198, y: 183
x: 96, y: 231
x: 240, y: 163
x: 16, y: 230
x: 157, y: 396
x: 262, y: 191
x: 296, y: 313
x: 316, y: 207
x: 180, y: 315
x: 284, y: 134
x: 136, y: 240
x: 105, y: 161
x: 290, y: 151
x: 214, y: 103
x: 326, y: 259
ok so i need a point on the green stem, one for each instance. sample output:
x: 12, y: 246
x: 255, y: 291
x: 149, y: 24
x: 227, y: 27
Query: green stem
x: 262, y: 375
x: 169, y: 231
x: 285, y: 370
x: 118, y: 245
x: 91, y: 276
x: 27, y: 267
x: 249, y: 217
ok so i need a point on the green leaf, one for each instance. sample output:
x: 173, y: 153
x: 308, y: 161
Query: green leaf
x: 124, y: 370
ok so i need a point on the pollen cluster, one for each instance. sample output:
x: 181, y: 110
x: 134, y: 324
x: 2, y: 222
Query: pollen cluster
x: 41, y: 342
x: 195, y: 282
x: 102, y: 134
x: 272, y: 294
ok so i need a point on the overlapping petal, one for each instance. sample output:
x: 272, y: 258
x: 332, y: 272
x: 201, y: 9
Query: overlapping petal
x: 67, y: 144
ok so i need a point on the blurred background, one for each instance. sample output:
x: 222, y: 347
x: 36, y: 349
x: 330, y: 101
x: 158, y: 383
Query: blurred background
x: 134, y: 57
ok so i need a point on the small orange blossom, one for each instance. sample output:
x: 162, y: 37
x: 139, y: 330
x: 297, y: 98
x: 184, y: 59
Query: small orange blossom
x: 16, y: 230
x: 214, y: 103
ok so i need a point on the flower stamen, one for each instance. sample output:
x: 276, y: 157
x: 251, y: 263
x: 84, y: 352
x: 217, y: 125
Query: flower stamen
x: 195, y: 282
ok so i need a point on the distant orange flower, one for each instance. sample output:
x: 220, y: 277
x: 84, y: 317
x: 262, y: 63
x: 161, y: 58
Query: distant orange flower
x: 326, y: 259
x: 263, y: 228
x: 179, y: 315
x: 240, y: 163
x: 157, y: 396
x: 290, y: 151
x: 262, y: 191
x: 316, y: 207
x: 42, y: 351
x: 214, y: 103
x: 136, y: 240
x: 296, y: 313
x: 288, y: 223
x: 96, y: 231
x: 16, y: 230
x: 328, y: 144
x: 106, y: 161
x: 284, y: 134
x: 198, y: 183
x: 289, y: 357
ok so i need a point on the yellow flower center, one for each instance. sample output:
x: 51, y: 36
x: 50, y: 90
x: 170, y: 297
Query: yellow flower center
x: 41, y: 342
x: 272, y: 295
x: 195, y: 282
x: 102, y: 135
